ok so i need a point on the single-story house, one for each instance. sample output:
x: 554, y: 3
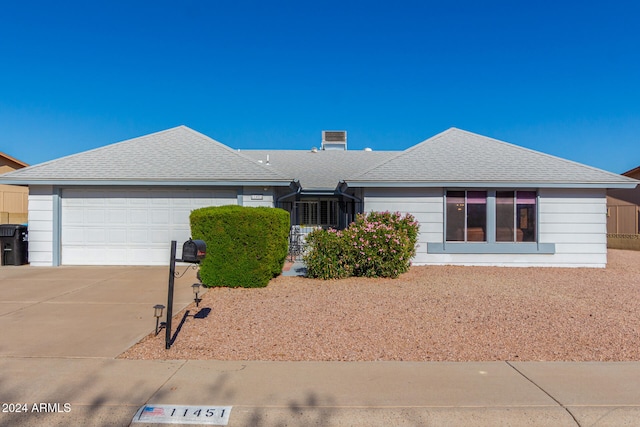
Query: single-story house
x: 13, y: 198
x: 479, y: 201
x: 623, y: 213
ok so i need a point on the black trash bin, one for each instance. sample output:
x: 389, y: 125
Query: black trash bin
x: 14, y: 243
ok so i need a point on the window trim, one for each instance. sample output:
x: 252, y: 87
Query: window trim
x: 467, y: 215
x: 490, y: 246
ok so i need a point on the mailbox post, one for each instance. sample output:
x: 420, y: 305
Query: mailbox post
x: 193, y: 251
x: 172, y: 275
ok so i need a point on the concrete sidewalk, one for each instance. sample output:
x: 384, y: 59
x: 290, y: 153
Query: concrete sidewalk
x: 63, y: 327
x: 107, y: 392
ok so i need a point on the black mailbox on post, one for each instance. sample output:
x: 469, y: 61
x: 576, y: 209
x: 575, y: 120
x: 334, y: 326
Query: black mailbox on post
x: 194, y: 251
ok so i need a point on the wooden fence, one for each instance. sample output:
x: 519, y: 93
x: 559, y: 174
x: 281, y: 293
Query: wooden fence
x: 624, y: 241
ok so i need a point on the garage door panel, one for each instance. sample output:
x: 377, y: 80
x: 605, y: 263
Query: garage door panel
x: 94, y: 216
x: 117, y: 216
x: 94, y: 201
x: 180, y: 215
x: 139, y: 201
x: 179, y: 234
x: 73, y: 215
x: 116, y: 200
x: 160, y: 216
x: 90, y: 255
x: 95, y: 235
x: 74, y: 202
x: 116, y: 256
x: 137, y: 235
x: 129, y: 226
x: 117, y: 236
x: 149, y: 256
x: 163, y: 200
x: 159, y: 237
x: 138, y: 216
x: 72, y: 235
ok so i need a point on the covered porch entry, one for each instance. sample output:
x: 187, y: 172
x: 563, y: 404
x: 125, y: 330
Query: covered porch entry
x: 309, y: 213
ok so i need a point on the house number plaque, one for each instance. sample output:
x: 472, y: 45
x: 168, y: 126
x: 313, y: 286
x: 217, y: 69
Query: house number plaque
x: 173, y: 414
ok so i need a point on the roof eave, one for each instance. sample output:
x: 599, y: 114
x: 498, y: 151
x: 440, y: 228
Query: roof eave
x: 138, y: 182
x: 318, y: 191
x: 488, y: 184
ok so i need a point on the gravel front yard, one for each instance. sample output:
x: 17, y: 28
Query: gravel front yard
x: 428, y: 314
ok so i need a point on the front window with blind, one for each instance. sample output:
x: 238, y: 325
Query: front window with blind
x: 515, y: 216
x: 491, y: 216
x: 466, y: 216
x: 491, y: 222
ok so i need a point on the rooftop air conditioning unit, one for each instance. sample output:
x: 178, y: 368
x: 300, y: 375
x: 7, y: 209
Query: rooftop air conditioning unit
x: 334, y: 140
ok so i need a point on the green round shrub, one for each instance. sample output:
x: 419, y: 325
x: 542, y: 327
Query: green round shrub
x: 246, y: 246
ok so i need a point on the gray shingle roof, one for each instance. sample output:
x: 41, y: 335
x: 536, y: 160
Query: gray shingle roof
x: 321, y: 170
x: 175, y: 155
x: 182, y: 156
x: 457, y: 157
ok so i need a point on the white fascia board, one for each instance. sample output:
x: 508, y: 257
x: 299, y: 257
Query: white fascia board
x: 106, y: 183
x: 317, y: 192
x: 482, y: 184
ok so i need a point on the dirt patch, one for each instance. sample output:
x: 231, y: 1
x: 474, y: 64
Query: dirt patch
x: 434, y: 313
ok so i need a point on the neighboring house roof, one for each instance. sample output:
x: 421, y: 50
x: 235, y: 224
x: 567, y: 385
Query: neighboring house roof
x: 10, y: 162
x: 464, y: 159
x: 633, y: 173
x: 320, y: 170
x: 179, y: 155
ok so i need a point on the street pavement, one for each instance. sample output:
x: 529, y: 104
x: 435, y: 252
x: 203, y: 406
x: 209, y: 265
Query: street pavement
x: 63, y: 328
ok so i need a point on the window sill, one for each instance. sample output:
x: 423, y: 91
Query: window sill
x: 491, y: 248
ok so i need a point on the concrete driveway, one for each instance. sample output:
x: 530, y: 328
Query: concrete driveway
x: 83, y: 311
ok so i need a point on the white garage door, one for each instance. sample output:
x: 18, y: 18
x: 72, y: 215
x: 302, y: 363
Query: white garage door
x: 129, y: 227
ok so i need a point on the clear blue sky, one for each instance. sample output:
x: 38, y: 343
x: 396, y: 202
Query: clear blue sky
x: 556, y: 76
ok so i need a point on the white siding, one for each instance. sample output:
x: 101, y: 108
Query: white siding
x: 425, y: 204
x: 41, y: 225
x: 257, y: 196
x: 572, y: 219
x: 576, y: 221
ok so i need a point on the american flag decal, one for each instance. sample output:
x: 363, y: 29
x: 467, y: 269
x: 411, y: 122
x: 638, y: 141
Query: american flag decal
x: 153, y: 411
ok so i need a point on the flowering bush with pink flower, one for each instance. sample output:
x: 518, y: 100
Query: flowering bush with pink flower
x: 378, y: 244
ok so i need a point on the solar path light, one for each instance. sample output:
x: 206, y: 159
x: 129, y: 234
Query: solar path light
x: 196, y: 291
x: 157, y: 313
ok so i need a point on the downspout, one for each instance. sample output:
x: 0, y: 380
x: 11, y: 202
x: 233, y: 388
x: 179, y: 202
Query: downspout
x: 340, y: 190
x: 537, y: 219
x: 56, y: 249
x: 295, y: 185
